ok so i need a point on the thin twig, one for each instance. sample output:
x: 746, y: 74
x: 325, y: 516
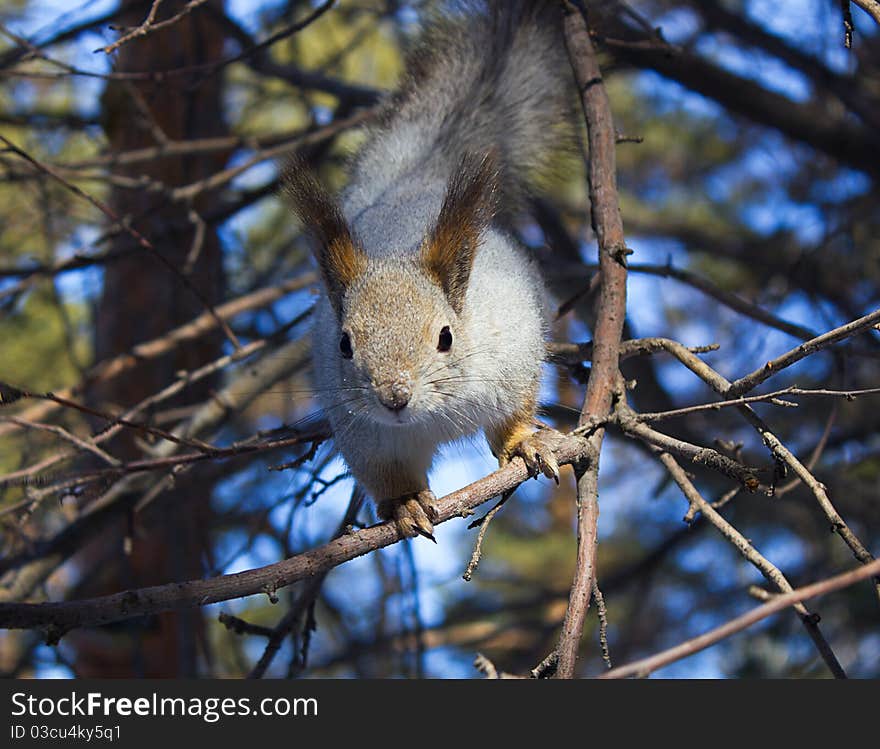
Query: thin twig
x: 779, y: 451
x: 196, y: 328
x: 305, y: 602
x: 764, y: 565
x: 772, y: 397
x: 314, y: 435
x: 134, y: 233
x: 260, y: 47
x: 82, y: 444
x: 848, y: 26
x: 645, y: 666
x: 727, y: 298
x: 241, y: 627
x: 149, y: 25
x: 814, y: 456
x: 243, y: 389
x: 750, y: 381
x: 12, y: 394
x: 483, y: 523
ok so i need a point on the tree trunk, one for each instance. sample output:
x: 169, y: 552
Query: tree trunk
x: 141, y: 299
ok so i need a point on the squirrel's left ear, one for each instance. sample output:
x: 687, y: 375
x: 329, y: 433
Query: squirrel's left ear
x: 471, y: 198
x: 339, y: 257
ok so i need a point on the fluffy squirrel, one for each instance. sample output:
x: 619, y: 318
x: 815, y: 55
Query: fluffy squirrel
x: 432, y: 322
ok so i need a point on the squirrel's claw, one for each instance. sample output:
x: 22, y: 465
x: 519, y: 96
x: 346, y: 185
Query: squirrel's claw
x: 536, y: 450
x: 413, y: 513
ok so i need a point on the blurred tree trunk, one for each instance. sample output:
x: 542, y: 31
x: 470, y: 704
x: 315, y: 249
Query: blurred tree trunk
x: 141, y: 299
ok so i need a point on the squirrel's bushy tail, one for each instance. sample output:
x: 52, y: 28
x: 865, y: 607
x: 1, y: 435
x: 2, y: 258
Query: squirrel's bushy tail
x: 486, y: 76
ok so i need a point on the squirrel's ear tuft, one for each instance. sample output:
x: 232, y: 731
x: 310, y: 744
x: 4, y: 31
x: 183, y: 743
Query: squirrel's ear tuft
x: 339, y: 257
x: 471, y: 198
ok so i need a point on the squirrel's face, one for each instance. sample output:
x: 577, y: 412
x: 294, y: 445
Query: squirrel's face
x: 401, y: 346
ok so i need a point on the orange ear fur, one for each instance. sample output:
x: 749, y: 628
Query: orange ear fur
x: 339, y: 257
x: 468, y: 207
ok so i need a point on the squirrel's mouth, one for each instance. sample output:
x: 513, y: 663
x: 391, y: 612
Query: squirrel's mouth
x: 393, y: 417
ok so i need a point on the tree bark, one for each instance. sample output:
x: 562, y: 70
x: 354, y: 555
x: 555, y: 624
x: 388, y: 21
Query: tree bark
x: 143, y: 298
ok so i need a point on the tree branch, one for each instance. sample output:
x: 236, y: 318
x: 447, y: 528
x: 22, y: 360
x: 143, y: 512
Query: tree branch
x: 58, y: 618
x: 810, y: 123
x: 750, y: 381
x: 150, y: 25
x: 607, y: 223
x: 199, y: 326
x: 779, y: 603
x: 871, y: 7
x: 772, y: 573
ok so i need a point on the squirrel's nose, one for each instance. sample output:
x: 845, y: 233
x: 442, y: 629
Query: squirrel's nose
x: 394, y: 395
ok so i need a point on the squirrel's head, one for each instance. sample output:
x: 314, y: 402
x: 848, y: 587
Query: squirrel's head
x: 402, y: 340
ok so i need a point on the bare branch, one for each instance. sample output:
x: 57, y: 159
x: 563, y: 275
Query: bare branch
x: 750, y: 381
x: 871, y: 7
x: 149, y: 25
x: 606, y: 220
x: 82, y: 444
x: 205, y: 323
x: 483, y: 524
x: 764, y: 565
x: 134, y: 233
x: 58, y: 618
x: 706, y: 456
x: 306, y: 599
x: 727, y: 298
x: 771, y: 397
x: 237, y: 395
x: 647, y: 665
x: 773, y: 443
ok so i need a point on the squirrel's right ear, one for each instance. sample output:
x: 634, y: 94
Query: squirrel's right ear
x: 340, y: 259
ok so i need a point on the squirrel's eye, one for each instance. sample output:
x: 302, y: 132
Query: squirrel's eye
x: 445, y: 342
x: 345, y: 346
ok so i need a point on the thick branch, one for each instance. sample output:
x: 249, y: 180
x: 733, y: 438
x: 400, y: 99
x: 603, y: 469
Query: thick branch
x: 607, y: 223
x: 871, y: 7
x: 58, y: 618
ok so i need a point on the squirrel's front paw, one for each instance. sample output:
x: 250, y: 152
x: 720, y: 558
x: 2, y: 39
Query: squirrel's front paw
x: 414, y: 514
x: 536, y: 450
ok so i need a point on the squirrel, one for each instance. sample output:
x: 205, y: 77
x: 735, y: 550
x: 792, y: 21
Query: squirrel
x: 432, y: 321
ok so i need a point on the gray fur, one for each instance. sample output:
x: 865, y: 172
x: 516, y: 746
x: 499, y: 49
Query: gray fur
x: 460, y: 100
x: 486, y: 76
